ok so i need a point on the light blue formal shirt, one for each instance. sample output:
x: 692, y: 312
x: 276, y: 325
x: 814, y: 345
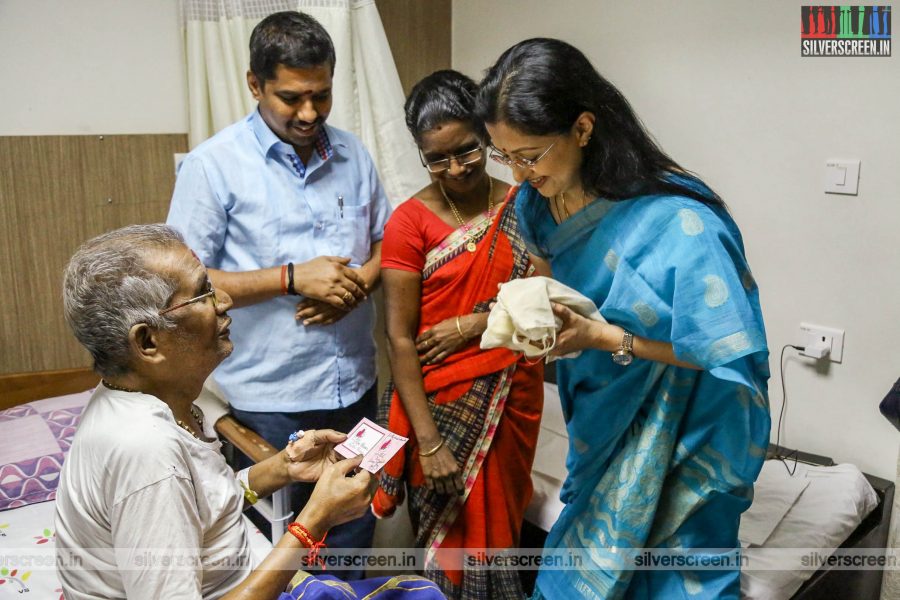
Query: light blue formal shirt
x: 241, y: 206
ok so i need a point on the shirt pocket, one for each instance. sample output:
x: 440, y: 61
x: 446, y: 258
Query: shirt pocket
x: 354, y: 225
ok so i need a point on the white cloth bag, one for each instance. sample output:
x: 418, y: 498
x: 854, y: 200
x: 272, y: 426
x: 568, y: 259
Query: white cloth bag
x: 523, y: 319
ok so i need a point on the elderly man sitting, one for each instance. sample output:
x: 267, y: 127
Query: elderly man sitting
x: 142, y: 480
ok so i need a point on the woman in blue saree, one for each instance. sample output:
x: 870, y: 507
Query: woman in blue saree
x: 666, y: 406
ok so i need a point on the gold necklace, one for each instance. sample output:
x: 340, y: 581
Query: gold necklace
x: 562, y: 210
x: 565, y: 207
x: 470, y: 245
x: 198, y: 416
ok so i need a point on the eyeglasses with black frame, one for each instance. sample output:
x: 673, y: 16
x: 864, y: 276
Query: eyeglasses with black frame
x: 209, y: 293
x: 523, y: 163
x: 465, y: 158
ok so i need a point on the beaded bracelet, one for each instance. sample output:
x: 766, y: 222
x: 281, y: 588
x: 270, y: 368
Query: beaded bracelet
x: 302, y: 533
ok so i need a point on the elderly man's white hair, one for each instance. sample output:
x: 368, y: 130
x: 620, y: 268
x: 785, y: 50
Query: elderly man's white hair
x: 108, y: 288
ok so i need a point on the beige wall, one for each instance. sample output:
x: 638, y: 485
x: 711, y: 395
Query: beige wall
x: 91, y: 67
x: 723, y: 88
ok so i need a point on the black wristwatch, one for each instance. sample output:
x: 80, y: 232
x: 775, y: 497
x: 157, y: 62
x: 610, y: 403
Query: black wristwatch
x: 625, y: 354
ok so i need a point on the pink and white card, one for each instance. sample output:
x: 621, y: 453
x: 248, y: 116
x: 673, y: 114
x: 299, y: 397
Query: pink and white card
x: 376, y: 444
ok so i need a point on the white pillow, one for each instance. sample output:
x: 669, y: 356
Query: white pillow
x: 834, y: 503
x: 774, y: 493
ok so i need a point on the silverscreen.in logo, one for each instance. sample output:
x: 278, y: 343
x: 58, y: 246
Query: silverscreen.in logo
x: 845, y: 30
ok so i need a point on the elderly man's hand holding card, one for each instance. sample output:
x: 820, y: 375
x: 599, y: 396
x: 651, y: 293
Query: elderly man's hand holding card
x: 309, y: 452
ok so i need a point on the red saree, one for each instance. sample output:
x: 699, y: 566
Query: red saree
x: 486, y: 403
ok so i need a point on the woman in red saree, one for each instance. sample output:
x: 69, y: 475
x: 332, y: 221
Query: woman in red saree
x: 472, y: 415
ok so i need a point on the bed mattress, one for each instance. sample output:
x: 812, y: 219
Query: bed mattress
x: 28, y: 552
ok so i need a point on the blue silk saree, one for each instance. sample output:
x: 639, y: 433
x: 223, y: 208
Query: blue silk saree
x: 326, y: 587
x: 660, y: 457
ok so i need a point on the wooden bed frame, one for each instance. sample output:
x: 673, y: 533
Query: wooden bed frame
x: 20, y: 388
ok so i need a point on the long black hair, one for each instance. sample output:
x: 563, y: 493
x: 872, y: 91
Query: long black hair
x: 541, y: 86
x: 443, y: 96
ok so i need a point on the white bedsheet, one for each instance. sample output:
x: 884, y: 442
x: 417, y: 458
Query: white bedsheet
x: 26, y: 534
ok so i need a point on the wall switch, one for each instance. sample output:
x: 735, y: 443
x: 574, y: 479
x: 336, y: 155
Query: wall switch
x: 815, y: 336
x: 842, y: 177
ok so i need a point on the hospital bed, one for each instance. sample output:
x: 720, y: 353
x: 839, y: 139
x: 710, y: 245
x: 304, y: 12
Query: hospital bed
x: 821, y: 506
x: 39, y: 413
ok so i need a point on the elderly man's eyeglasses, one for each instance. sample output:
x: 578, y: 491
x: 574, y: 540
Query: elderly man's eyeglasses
x: 211, y: 293
x: 523, y: 163
x: 465, y: 158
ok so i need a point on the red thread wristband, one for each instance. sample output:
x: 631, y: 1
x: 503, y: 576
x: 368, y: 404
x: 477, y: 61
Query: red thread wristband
x: 302, y: 533
x: 283, y: 280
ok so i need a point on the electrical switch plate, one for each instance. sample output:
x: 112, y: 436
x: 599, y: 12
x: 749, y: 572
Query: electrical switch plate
x: 831, y: 337
x: 842, y: 177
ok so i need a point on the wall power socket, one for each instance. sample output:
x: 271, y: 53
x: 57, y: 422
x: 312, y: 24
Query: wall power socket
x: 821, y: 342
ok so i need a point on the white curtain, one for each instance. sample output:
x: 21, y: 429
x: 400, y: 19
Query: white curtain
x: 368, y: 97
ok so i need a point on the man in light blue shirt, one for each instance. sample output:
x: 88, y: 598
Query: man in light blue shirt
x: 281, y: 204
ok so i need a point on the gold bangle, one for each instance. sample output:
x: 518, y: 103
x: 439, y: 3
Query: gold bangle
x: 459, y: 329
x: 434, y: 450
